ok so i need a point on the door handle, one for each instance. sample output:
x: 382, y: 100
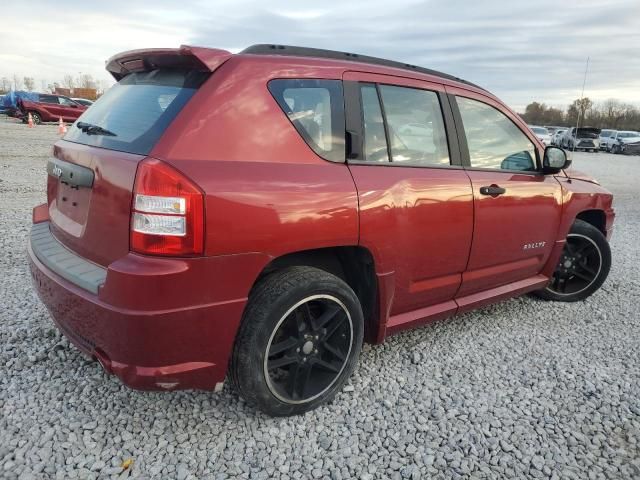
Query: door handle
x: 492, y: 190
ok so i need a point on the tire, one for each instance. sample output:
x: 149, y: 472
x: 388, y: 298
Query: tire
x: 614, y: 149
x: 278, y: 341
x: 583, y: 266
x: 37, y: 120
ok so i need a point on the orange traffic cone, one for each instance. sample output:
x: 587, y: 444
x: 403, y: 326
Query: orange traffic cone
x: 62, y: 128
x: 30, y: 121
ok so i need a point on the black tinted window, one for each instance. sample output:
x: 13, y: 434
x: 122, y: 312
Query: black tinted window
x: 494, y: 141
x: 138, y: 109
x: 48, y: 99
x: 415, y: 126
x: 316, y: 109
x: 375, y: 140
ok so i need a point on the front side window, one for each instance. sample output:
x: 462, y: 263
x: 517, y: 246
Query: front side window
x: 494, y: 141
x: 415, y: 126
x: 65, y: 101
x: 316, y: 109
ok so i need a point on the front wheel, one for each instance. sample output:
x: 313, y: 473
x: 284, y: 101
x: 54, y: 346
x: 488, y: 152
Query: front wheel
x: 36, y: 117
x: 299, y: 341
x: 583, y: 267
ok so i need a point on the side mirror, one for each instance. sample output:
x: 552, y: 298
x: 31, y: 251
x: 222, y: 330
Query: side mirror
x: 555, y: 159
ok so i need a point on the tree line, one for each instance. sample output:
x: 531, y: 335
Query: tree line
x: 611, y: 113
x: 83, y: 80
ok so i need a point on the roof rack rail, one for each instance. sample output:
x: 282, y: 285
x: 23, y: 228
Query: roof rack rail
x: 272, y: 49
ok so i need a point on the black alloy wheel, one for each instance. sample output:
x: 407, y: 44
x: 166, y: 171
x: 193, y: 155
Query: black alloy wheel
x: 308, y: 349
x: 579, y: 266
x: 583, y: 266
x: 299, y: 340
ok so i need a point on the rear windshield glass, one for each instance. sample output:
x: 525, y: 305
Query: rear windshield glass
x: 133, y: 114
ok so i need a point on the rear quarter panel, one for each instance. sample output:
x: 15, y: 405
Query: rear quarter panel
x: 266, y: 190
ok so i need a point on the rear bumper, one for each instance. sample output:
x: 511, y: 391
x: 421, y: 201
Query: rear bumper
x: 154, y: 323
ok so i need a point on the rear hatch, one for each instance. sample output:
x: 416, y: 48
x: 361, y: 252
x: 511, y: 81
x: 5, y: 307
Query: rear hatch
x: 92, y: 172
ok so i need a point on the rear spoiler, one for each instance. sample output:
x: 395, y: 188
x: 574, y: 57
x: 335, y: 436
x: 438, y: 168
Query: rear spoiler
x: 186, y: 57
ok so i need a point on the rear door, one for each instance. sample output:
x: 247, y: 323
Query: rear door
x: 416, y: 207
x: 49, y: 106
x: 517, y: 208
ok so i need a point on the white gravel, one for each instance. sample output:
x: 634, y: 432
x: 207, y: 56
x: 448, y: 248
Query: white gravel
x: 521, y: 389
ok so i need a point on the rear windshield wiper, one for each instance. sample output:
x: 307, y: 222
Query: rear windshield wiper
x: 91, y: 129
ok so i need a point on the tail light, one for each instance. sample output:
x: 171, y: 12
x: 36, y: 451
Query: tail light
x: 167, y: 215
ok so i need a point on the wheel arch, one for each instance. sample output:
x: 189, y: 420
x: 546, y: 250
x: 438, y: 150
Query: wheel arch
x: 595, y: 217
x: 353, y: 264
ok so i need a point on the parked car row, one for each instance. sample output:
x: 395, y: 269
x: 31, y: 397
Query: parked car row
x: 589, y: 139
x: 620, y: 141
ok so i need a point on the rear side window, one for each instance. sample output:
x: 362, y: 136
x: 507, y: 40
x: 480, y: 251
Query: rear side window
x: 48, y: 99
x: 415, y: 126
x: 375, y: 139
x: 133, y: 114
x: 316, y: 110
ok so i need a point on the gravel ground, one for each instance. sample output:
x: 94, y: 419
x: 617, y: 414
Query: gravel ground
x: 522, y: 389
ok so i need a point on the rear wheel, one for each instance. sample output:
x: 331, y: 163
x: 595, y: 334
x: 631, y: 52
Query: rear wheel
x: 299, y: 341
x: 615, y: 149
x: 583, y: 266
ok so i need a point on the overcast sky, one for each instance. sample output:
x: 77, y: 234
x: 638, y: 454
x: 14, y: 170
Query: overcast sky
x: 519, y: 50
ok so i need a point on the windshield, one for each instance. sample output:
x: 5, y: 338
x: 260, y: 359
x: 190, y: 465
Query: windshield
x: 137, y: 110
x: 540, y: 130
x: 628, y: 134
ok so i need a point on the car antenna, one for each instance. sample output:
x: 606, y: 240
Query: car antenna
x: 584, y: 81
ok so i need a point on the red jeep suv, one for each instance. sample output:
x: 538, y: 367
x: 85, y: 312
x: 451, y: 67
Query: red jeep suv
x: 262, y: 214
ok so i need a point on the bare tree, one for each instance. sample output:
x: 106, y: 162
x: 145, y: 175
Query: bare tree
x: 68, y: 81
x: 29, y: 83
x: 5, y: 84
x: 17, y: 84
x: 613, y: 111
x: 85, y: 80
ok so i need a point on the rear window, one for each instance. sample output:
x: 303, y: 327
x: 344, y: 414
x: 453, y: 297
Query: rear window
x: 316, y: 109
x: 137, y: 110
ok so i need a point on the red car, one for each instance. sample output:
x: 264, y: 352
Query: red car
x: 260, y: 215
x: 50, y: 108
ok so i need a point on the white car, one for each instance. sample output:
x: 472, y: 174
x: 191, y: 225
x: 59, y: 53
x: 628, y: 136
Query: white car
x: 620, y: 138
x: 604, y: 135
x: 542, y: 134
x: 556, y: 138
x: 581, y: 139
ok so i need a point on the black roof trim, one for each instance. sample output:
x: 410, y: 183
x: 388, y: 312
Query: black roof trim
x: 271, y: 49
